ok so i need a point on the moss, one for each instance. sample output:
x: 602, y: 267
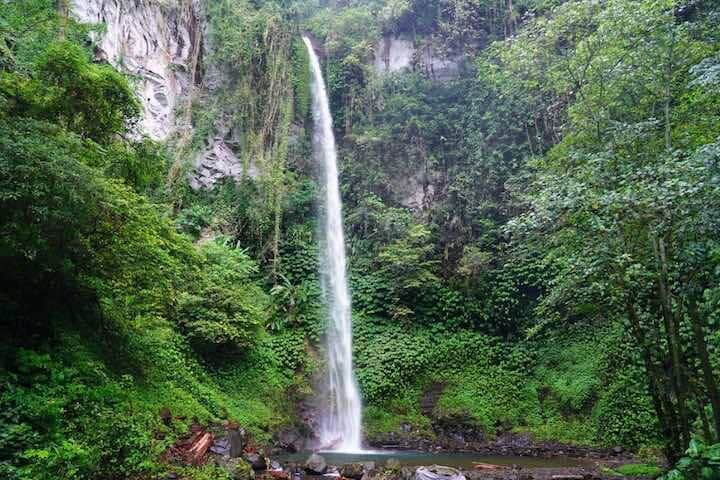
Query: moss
x: 636, y: 470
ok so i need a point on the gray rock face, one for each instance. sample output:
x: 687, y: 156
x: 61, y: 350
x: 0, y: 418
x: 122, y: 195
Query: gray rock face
x: 219, y: 161
x: 393, y: 54
x: 290, y: 439
x: 316, y: 464
x: 156, y: 42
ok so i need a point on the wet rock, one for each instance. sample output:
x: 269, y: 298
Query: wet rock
x: 256, y: 461
x: 407, y: 473
x: 290, y: 439
x: 297, y: 474
x: 370, y: 474
x: 221, y: 446
x: 352, y: 470
x: 315, y: 464
x: 367, y: 466
x: 276, y: 475
x: 392, y: 464
x: 618, y: 450
x: 438, y: 472
x: 236, y: 438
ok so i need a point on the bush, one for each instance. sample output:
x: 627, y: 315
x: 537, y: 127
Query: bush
x: 701, y: 462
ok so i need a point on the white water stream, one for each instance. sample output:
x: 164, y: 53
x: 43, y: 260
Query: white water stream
x: 340, y: 424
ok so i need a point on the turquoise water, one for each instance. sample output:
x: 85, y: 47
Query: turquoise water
x: 415, y: 458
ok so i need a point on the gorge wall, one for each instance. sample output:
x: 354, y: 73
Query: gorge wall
x: 158, y: 44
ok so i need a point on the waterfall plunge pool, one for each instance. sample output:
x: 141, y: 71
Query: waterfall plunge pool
x: 413, y: 458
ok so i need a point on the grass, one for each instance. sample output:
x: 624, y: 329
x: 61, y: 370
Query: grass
x: 635, y: 470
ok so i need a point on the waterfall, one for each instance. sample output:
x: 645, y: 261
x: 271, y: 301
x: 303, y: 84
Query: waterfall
x: 340, y: 424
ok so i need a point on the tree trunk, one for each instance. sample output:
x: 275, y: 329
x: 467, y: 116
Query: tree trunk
x: 708, y: 376
x: 668, y: 91
x: 658, y: 394
x: 707, y: 432
x: 672, y: 336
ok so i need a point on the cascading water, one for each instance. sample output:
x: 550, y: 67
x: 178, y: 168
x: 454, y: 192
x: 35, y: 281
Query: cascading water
x: 340, y: 425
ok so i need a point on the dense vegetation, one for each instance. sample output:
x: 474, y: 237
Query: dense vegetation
x: 535, y: 236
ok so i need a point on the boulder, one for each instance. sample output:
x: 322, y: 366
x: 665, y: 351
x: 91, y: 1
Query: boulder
x: 276, y: 475
x: 438, y: 472
x: 221, y: 446
x: 407, y: 473
x: 256, y: 461
x: 315, y: 464
x: 290, y: 439
x: 352, y: 470
x: 236, y: 439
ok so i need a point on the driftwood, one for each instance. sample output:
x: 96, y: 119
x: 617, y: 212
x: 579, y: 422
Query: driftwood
x: 487, y: 466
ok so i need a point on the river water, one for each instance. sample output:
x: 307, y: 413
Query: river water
x: 413, y: 458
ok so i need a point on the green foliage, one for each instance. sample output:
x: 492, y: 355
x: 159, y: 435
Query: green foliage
x: 492, y: 397
x: 395, y: 413
x: 131, y: 314
x: 638, y: 470
x: 193, y: 219
x: 26, y: 29
x: 93, y: 101
x: 700, y: 462
x: 499, y: 225
x: 227, y: 307
x: 623, y: 414
x: 301, y: 79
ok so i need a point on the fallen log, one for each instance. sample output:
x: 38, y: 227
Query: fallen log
x: 199, y: 448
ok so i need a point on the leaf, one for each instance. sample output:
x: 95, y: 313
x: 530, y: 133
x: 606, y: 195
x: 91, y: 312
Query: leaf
x: 694, y: 449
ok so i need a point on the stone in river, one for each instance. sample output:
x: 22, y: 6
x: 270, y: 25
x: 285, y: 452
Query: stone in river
x: 352, y: 470
x: 392, y: 464
x: 316, y: 464
x: 438, y: 472
x: 256, y: 461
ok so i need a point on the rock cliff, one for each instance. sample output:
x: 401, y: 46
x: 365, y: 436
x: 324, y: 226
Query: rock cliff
x: 157, y: 43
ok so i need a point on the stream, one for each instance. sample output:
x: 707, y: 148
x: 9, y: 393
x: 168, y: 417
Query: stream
x: 412, y: 458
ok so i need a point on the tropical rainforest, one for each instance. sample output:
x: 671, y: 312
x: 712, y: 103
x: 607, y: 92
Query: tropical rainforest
x: 532, y: 218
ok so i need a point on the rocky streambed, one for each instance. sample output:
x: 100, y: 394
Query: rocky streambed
x: 229, y: 447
